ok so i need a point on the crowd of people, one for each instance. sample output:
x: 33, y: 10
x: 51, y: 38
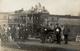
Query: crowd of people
x: 58, y: 30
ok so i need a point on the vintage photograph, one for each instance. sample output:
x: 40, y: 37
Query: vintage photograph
x: 39, y: 25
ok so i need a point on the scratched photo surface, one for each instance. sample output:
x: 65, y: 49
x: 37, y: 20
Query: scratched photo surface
x: 39, y: 25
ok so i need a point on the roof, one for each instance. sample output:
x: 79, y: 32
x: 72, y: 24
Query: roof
x: 65, y: 16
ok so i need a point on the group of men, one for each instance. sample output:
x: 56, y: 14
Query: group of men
x: 65, y: 32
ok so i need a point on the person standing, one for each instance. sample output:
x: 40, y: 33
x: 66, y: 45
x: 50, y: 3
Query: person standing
x: 43, y: 34
x: 58, y: 33
x: 66, y: 32
x: 62, y: 36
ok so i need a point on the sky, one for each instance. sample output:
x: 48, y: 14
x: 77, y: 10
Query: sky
x: 59, y: 7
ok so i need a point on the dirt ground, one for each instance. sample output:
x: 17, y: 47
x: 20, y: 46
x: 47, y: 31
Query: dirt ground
x: 9, y: 49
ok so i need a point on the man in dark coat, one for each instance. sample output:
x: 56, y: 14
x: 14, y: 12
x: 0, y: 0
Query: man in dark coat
x: 58, y: 33
x: 66, y: 33
x: 13, y: 30
x: 42, y: 37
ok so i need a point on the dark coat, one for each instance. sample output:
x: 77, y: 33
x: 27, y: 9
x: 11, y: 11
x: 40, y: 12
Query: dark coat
x: 66, y: 31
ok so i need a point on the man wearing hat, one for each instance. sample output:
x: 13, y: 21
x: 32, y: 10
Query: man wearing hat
x: 58, y: 33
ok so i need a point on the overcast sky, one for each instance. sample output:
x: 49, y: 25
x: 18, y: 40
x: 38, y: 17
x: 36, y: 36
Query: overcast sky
x: 60, y: 7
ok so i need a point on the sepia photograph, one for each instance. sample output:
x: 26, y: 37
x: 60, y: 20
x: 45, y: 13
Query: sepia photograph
x: 39, y: 25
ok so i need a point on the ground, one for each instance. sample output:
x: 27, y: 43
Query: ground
x: 37, y: 46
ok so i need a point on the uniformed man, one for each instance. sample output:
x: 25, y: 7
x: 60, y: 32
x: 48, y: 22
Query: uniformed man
x: 66, y: 33
x: 13, y: 31
x: 58, y: 33
x: 42, y: 37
